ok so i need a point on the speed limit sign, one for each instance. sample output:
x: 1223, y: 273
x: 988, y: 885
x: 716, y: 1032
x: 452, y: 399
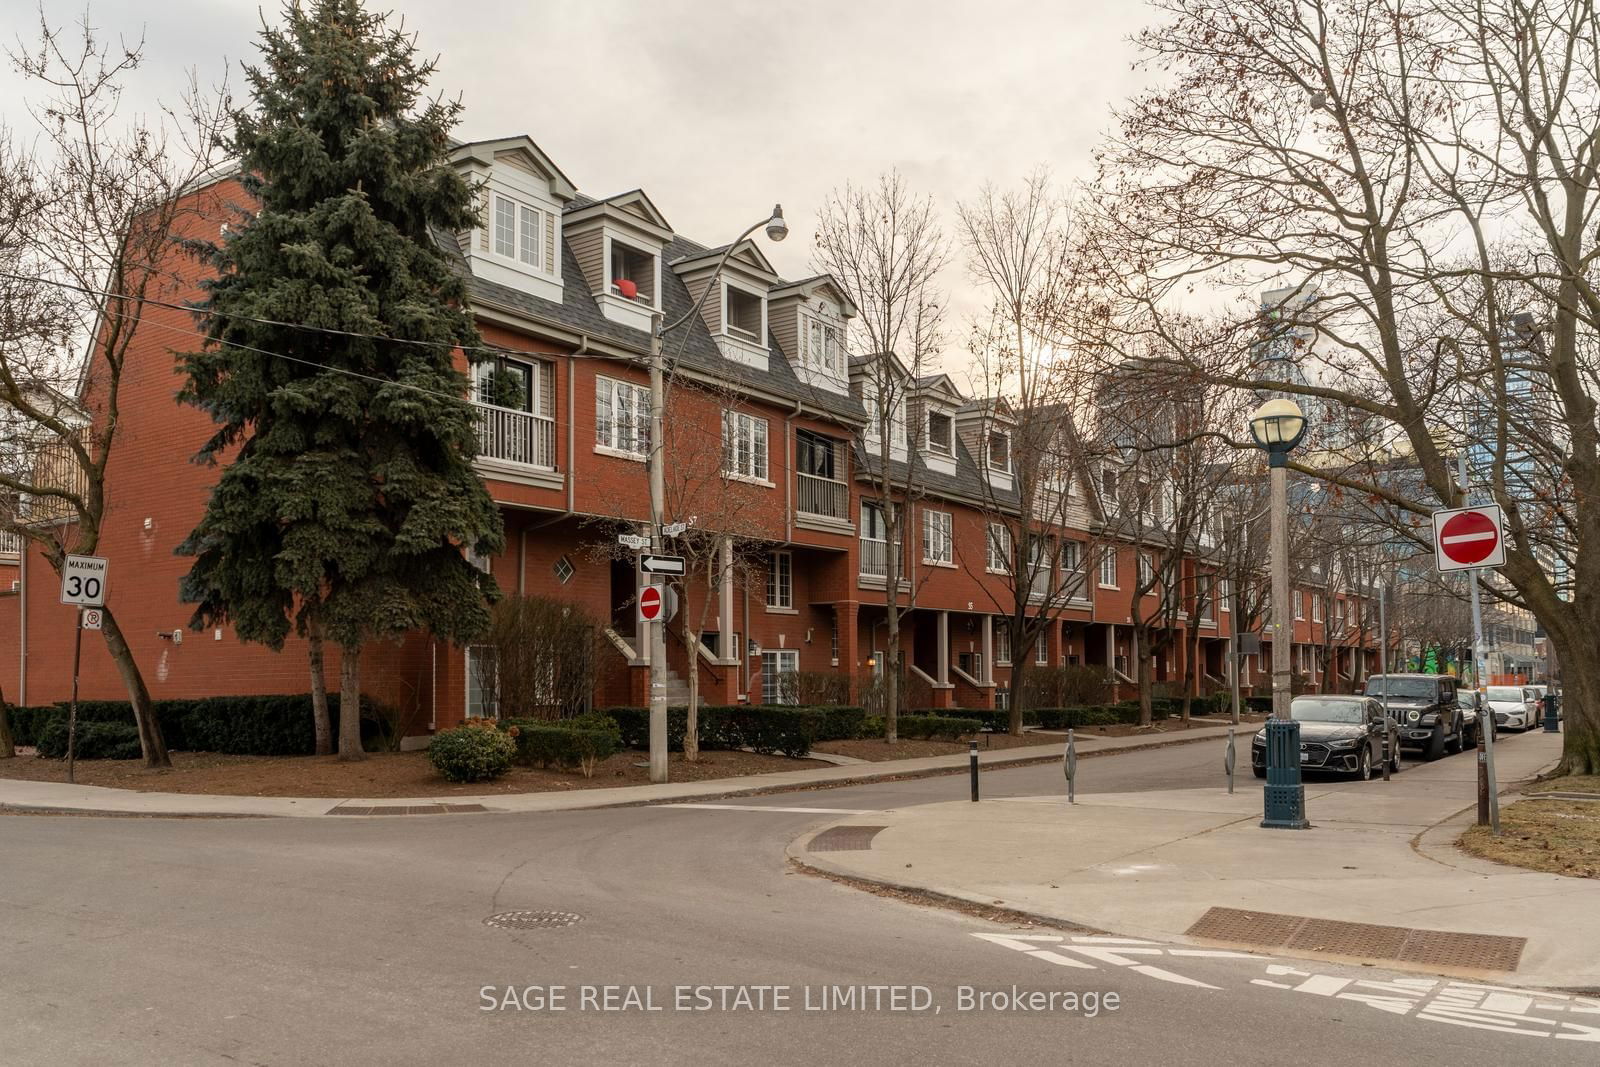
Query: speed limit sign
x: 83, y: 581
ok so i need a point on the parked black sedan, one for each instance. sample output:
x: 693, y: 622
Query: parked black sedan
x: 1337, y: 733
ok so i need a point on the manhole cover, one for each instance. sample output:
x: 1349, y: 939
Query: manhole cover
x: 532, y: 920
x: 845, y: 839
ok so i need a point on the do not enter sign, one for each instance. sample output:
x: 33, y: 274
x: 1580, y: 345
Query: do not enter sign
x: 1469, y: 537
x: 649, y: 603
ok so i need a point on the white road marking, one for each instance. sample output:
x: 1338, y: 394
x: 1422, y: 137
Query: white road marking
x: 770, y: 807
x: 1115, y: 951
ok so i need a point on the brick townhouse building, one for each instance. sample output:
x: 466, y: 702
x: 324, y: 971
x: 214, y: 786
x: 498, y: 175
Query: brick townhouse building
x: 563, y: 287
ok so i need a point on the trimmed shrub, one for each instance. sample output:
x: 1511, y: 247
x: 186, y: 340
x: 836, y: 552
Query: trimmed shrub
x: 770, y: 730
x: 26, y: 723
x: 571, y: 744
x: 95, y: 740
x: 937, y: 727
x: 841, y: 723
x: 764, y: 728
x: 472, y: 752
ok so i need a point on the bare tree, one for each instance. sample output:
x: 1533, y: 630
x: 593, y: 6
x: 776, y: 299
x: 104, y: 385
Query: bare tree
x: 90, y: 207
x: 1427, y: 171
x: 883, y: 246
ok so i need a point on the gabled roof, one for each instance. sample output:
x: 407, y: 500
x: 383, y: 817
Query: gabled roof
x: 531, y: 154
x: 633, y: 208
x: 942, y: 386
x: 813, y: 286
x: 747, y: 254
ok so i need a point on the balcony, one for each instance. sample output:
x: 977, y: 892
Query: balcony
x: 10, y: 546
x: 822, y: 504
x: 517, y: 446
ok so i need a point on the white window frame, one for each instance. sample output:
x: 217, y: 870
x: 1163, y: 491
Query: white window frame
x: 1224, y: 601
x: 1076, y: 580
x: 772, y: 672
x: 1108, y: 568
x: 611, y: 434
x: 1003, y: 467
x: 1316, y: 608
x: 938, y: 538
x: 1147, y: 573
x: 999, y: 549
x: 1002, y: 645
x: 947, y: 447
x: 1041, y: 649
x: 739, y: 333
x: 780, y: 581
x: 820, y: 345
x: 470, y: 684
x: 745, y: 442
x: 519, y: 239
x: 1300, y: 604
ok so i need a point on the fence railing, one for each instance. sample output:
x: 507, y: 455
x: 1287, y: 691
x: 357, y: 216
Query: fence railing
x: 516, y: 436
x: 822, y: 496
x: 10, y: 543
x: 875, y: 560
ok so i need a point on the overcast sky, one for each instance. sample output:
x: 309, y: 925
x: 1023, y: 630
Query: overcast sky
x: 718, y: 108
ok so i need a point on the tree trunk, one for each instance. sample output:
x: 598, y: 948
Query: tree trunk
x: 1191, y: 668
x: 891, y: 681
x: 151, y: 743
x: 8, y: 744
x: 319, y: 689
x: 1019, y: 676
x: 1146, y: 656
x: 350, y: 704
x: 691, y: 728
x: 1580, y: 703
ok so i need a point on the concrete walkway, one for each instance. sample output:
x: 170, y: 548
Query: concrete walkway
x: 1151, y: 863
x: 20, y: 795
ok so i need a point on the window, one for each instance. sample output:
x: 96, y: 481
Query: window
x: 1224, y: 599
x: 1002, y: 643
x: 744, y: 445
x: 1147, y: 571
x: 515, y: 384
x: 940, y: 433
x: 970, y: 664
x: 999, y: 451
x: 1300, y: 604
x: 780, y: 580
x: 636, y: 267
x: 822, y: 348
x: 518, y: 231
x: 833, y: 640
x: 481, y: 562
x: 875, y: 542
x: 1108, y: 568
x: 744, y: 314
x: 814, y: 454
x: 1108, y: 485
x: 1041, y: 649
x: 778, y: 668
x: 1072, y: 567
x: 483, y: 683
x: 874, y: 527
x: 564, y: 570
x: 999, y: 561
x: 938, y: 545
x: 621, y: 416
x: 1316, y: 608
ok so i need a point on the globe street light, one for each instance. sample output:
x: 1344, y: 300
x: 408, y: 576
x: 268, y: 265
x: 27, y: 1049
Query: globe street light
x: 1277, y: 426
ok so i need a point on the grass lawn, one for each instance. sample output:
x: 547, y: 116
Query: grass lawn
x: 1558, y: 836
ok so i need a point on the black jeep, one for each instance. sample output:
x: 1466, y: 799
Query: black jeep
x: 1425, y: 707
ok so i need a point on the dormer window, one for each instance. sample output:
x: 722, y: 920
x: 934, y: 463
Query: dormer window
x: 822, y: 348
x: 941, y: 430
x: 744, y: 314
x: 1000, y: 451
x: 633, y: 273
x: 518, y: 232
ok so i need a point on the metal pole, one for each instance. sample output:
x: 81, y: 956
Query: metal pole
x: 1383, y: 672
x: 972, y: 764
x: 1486, y: 763
x: 1229, y: 759
x: 1284, y: 796
x: 72, y: 709
x: 657, y: 626
x: 1069, y: 765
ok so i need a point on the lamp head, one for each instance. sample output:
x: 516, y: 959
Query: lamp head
x: 1277, y: 426
x: 777, y: 229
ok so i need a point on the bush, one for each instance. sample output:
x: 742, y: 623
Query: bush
x: 473, y: 752
x: 26, y: 723
x: 937, y: 727
x: 570, y: 744
x: 841, y: 723
x: 95, y: 740
x: 1061, y: 687
x: 764, y: 728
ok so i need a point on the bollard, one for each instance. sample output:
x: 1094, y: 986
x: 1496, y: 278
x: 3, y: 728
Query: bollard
x: 1069, y: 764
x: 1229, y: 760
x: 1388, y: 745
x: 1552, y: 712
x: 972, y: 760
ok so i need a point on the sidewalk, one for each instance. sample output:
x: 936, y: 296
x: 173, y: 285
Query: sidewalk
x: 1150, y: 864
x: 16, y: 795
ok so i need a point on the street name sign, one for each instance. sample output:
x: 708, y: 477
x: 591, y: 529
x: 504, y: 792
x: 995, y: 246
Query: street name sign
x: 653, y: 564
x: 83, y: 581
x: 674, y: 529
x: 1464, y: 538
x: 633, y: 541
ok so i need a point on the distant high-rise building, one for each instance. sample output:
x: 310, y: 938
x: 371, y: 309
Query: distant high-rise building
x: 1286, y: 345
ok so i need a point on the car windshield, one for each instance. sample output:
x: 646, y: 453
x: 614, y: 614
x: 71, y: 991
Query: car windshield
x: 1508, y: 694
x: 1404, y: 688
x: 1313, y: 710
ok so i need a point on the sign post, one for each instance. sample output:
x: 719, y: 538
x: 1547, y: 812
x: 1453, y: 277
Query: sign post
x: 1466, y: 539
x: 83, y: 585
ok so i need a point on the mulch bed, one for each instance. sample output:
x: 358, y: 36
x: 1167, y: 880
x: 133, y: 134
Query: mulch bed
x: 381, y: 774
x: 1558, y: 836
x: 877, y: 750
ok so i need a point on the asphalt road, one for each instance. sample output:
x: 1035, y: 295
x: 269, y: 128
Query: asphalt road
x: 356, y: 941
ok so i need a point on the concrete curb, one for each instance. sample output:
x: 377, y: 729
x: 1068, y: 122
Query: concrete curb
x: 836, y: 777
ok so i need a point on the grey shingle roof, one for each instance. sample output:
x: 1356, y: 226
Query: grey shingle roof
x: 967, y: 484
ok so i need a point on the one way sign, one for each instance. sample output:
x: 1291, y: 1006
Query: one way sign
x: 652, y: 564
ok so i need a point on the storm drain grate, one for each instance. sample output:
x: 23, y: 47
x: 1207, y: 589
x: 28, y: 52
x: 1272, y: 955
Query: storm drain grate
x: 845, y: 839
x: 1297, y: 933
x: 532, y: 920
x: 407, y: 809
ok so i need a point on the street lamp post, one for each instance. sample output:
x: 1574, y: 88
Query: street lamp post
x: 777, y: 229
x: 1277, y: 426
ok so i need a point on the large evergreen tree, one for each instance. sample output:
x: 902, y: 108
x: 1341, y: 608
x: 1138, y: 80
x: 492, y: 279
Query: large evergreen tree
x: 331, y: 326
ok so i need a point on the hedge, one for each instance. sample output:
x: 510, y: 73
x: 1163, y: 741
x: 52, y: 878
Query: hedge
x: 936, y: 727
x: 764, y: 728
x: 95, y: 740
x: 242, y: 725
x: 566, y: 743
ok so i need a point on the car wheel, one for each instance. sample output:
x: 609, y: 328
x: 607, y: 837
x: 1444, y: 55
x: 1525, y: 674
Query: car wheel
x: 1364, y: 764
x: 1435, y: 744
x: 1259, y: 772
x: 1457, y: 741
x: 1394, y: 761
